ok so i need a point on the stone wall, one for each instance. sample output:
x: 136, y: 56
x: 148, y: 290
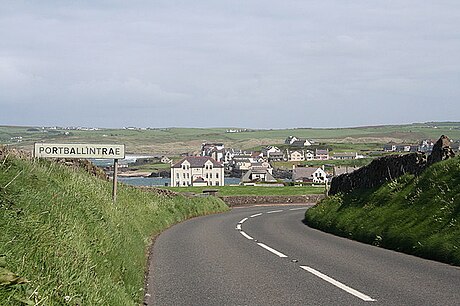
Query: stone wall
x: 390, y: 167
x: 253, y: 200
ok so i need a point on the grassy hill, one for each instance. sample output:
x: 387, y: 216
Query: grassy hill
x: 64, y: 242
x: 172, y: 141
x: 415, y: 215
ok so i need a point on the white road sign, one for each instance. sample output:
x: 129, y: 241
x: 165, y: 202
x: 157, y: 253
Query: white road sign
x: 72, y: 150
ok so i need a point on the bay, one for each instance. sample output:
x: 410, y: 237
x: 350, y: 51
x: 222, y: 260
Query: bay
x: 160, y: 181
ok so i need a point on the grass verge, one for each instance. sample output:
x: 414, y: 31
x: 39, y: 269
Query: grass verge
x: 63, y: 241
x: 253, y: 190
x: 415, y: 215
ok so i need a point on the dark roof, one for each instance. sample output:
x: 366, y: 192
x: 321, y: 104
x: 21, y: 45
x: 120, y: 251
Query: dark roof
x: 199, y: 180
x: 303, y: 172
x: 198, y: 162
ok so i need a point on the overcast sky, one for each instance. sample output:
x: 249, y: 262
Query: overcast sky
x: 229, y: 63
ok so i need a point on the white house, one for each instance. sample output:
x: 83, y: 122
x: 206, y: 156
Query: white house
x: 197, y: 171
x: 260, y: 174
x: 296, y: 156
x: 270, y: 150
x: 165, y: 160
x: 298, y: 142
x: 309, y: 155
x: 290, y: 140
x: 309, y: 174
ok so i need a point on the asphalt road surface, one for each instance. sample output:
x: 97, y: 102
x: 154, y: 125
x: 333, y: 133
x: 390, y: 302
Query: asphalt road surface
x: 265, y: 255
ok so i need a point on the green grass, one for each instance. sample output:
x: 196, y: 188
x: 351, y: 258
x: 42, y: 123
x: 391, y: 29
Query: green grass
x: 138, y: 141
x: 61, y: 232
x: 253, y: 190
x: 416, y: 215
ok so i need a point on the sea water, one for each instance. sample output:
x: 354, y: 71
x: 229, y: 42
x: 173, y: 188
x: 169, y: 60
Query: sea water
x: 161, y: 181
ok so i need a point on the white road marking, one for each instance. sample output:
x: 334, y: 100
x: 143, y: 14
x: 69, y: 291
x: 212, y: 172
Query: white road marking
x: 274, y: 211
x: 256, y: 215
x: 238, y: 227
x: 246, y: 235
x: 271, y: 250
x: 242, y: 221
x: 338, y: 284
x: 298, y: 208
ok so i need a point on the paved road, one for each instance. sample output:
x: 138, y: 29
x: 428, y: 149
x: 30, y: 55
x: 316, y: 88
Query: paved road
x: 267, y: 256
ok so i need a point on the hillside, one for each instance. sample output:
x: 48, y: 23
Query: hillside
x: 173, y: 141
x: 415, y: 215
x: 64, y: 242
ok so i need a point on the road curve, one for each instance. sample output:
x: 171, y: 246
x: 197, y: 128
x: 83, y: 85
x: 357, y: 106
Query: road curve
x: 265, y: 255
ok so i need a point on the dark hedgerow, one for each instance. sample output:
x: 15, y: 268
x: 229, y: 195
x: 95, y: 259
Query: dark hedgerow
x: 415, y: 215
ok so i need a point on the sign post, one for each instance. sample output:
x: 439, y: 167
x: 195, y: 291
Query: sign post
x: 115, y: 180
x: 74, y: 150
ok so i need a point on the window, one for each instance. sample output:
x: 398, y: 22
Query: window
x: 217, y: 175
x: 217, y: 183
x: 210, y: 175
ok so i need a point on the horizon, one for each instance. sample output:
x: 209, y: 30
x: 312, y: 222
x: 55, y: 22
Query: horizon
x: 223, y: 127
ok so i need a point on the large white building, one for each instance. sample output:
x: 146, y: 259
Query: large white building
x: 197, y: 171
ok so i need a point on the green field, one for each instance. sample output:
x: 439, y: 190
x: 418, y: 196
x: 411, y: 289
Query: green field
x: 173, y: 141
x: 253, y: 190
x: 63, y: 241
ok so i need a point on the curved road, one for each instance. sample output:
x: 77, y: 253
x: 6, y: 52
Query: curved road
x: 265, y: 255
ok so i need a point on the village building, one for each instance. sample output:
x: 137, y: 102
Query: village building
x: 426, y: 146
x: 295, y: 156
x: 276, y: 156
x: 241, y: 162
x: 258, y: 175
x: 214, y: 150
x: 197, y: 171
x: 339, y: 170
x: 268, y: 151
x: 298, y: 142
x: 309, y: 175
x: 301, y: 143
x: 165, y: 160
x: 345, y: 156
x: 403, y: 147
x: 322, y: 154
x: 309, y: 155
x: 260, y: 172
x: 290, y: 140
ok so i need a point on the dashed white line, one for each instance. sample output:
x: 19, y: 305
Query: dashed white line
x: 238, y: 227
x: 299, y: 208
x: 256, y: 215
x: 271, y: 250
x: 338, y: 284
x: 242, y: 221
x: 274, y: 211
x: 246, y: 235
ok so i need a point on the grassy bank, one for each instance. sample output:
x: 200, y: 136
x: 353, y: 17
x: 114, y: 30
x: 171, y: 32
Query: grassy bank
x: 253, y: 190
x: 415, y: 215
x: 61, y: 232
